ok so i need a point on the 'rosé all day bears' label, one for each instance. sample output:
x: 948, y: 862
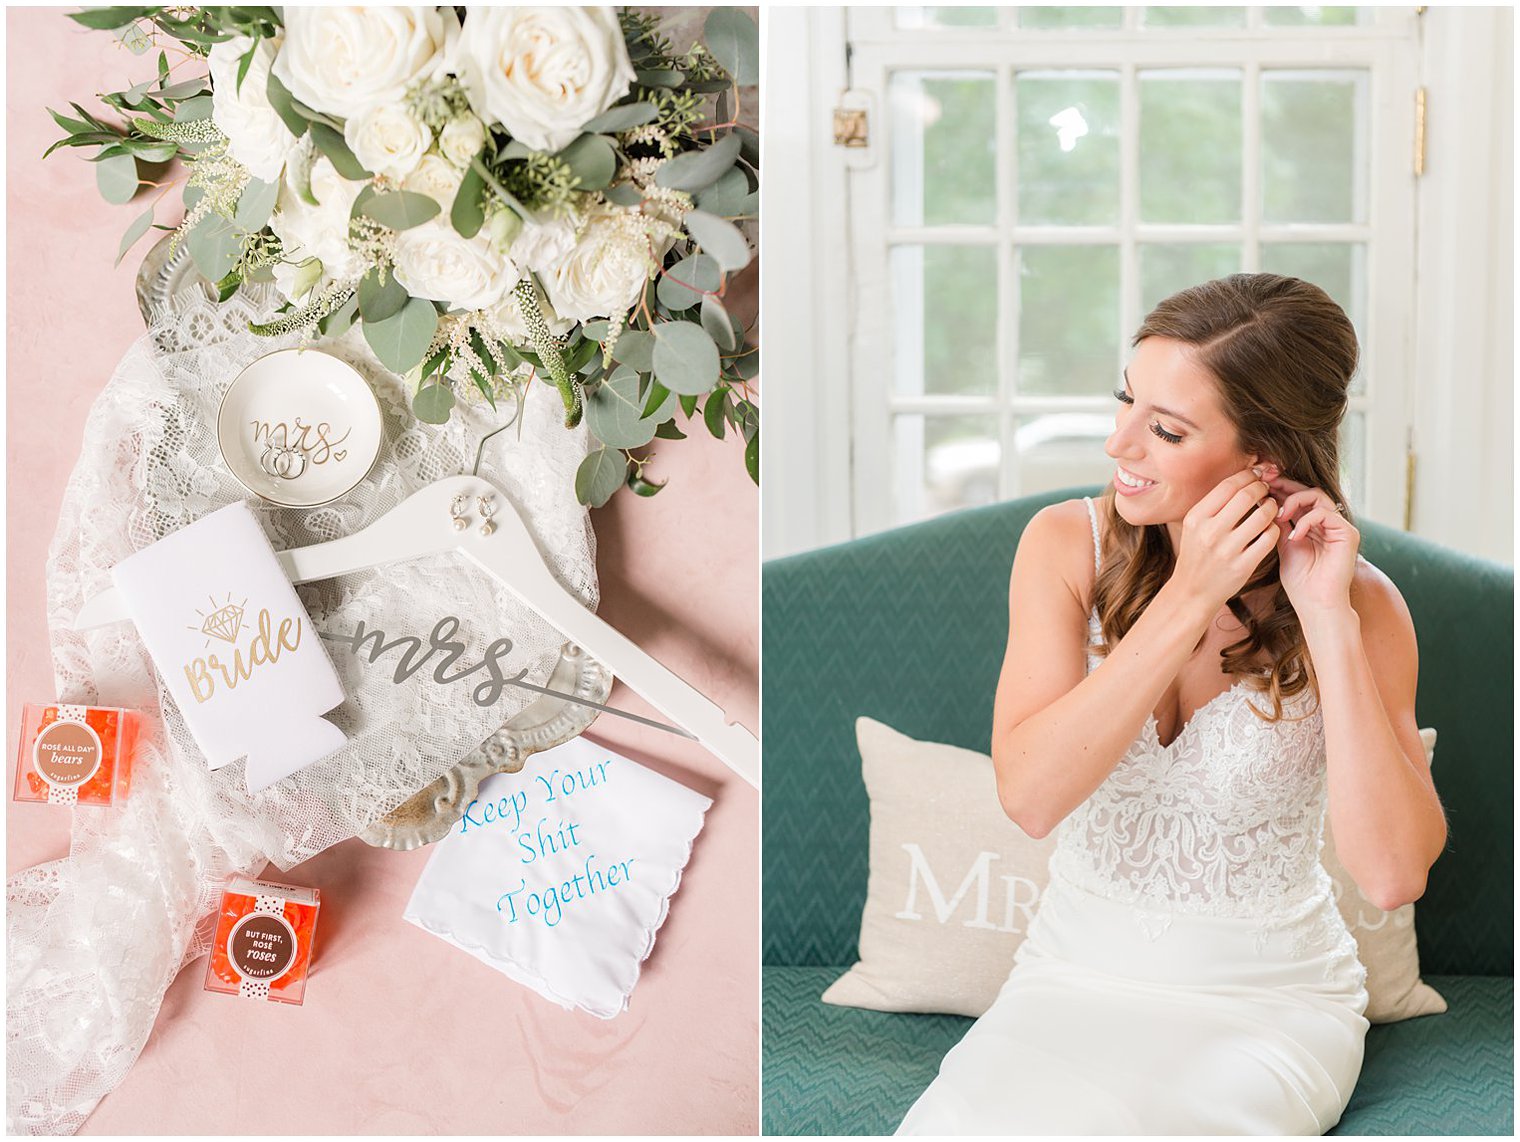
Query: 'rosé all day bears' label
x: 234, y: 645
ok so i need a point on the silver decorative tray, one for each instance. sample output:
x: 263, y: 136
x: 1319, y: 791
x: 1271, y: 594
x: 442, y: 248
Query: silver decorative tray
x: 163, y: 283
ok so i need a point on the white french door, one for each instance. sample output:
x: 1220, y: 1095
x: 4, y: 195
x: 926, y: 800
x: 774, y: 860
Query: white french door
x: 1037, y: 178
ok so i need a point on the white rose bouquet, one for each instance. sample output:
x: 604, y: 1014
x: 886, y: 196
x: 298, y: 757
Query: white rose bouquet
x: 494, y: 195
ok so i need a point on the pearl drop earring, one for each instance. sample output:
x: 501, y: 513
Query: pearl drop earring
x: 457, y: 512
x: 487, y: 508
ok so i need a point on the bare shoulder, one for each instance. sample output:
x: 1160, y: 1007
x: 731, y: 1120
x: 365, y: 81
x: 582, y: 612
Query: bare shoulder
x: 1059, y: 538
x: 1386, y: 622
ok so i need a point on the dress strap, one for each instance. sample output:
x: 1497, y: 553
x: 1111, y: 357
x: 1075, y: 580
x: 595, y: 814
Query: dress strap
x: 1092, y: 518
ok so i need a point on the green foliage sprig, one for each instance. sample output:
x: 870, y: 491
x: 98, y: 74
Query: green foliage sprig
x: 673, y: 163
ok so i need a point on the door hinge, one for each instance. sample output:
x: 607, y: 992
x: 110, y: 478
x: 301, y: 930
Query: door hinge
x: 1419, y: 132
x: 1409, y: 467
x: 852, y: 127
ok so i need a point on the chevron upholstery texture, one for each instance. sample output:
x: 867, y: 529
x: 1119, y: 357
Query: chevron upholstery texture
x: 908, y: 627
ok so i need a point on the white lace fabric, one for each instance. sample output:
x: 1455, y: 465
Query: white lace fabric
x: 95, y: 939
x: 1224, y: 821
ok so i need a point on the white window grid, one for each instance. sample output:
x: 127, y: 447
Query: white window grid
x: 1384, y: 45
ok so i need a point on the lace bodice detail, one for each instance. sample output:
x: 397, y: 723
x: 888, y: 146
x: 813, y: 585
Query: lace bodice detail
x: 1224, y: 821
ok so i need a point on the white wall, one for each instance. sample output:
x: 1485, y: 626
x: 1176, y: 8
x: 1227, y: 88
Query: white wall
x: 1464, y: 394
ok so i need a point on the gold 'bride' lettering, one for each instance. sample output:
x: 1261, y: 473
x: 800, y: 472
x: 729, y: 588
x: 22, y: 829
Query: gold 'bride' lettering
x: 205, y: 673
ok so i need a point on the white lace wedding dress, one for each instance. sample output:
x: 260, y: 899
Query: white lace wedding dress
x: 1187, y: 971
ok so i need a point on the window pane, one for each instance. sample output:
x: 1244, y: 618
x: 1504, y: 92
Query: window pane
x: 1071, y: 17
x: 947, y: 17
x: 1309, y: 15
x: 1194, y: 16
x: 1068, y: 319
x: 1338, y: 268
x: 1062, y: 450
x: 941, y: 463
x: 944, y: 319
x: 1165, y: 269
x: 943, y: 136
x: 1190, y: 144
x: 1354, y: 460
x: 1314, y: 153
x: 1068, y: 129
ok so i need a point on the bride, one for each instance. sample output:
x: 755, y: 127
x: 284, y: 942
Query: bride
x: 1199, y: 667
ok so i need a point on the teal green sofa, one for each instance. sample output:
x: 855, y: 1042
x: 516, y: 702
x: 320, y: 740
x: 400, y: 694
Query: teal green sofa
x: 909, y: 627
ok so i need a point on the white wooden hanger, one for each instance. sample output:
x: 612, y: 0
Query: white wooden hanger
x: 422, y: 525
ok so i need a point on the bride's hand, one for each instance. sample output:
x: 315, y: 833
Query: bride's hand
x: 1225, y: 536
x: 1317, y: 548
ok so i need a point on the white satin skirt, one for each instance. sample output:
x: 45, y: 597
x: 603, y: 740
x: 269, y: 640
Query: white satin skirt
x: 1207, y: 1028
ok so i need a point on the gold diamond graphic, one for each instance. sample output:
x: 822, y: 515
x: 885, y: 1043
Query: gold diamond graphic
x: 224, y: 623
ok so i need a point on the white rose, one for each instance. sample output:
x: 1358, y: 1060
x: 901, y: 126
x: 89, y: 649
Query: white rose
x: 434, y: 261
x: 256, y: 135
x: 605, y: 270
x: 461, y: 140
x: 542, y: 245
x: 388, y: 139
x: 344, y: 61
x: 437, y: 178
x: 542, y: 72
x: 320, y: 231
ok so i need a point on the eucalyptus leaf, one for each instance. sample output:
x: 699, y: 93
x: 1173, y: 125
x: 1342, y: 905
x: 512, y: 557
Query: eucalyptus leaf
x: 341, y: 320
x: 697, y: 169
x: 140, y: 226
x: 684, y: 284
x: 749, y: 146
x: 622, y: 118
x: 401, y: 209
x: 688, y: 404
x: 192, y: 110
x: 256, y: 204
x: 433, y: 403
x: 719, y: 325
x: 659, y: 77
x: 592, y: 160
x: 401, y: 340
x: 685, y: 358
x: 734, y: 41
x: 467, y: 214
x: 183, y: 90
x: 752, y: 458
x: 614, y: 412
x: 330, y: 142
x: 635, y: 348
x: 623, y: 194
x: 596, y: 330
x: 214, y: 246
x: 378, y: 302
x: 720, y: 238
x: 283, y: 103
x: 599, y: 476
x: 117, y: 179
x: 726, y: 196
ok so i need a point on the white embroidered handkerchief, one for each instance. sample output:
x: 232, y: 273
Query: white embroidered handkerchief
x: 559, y: 875
x: 234, y: 645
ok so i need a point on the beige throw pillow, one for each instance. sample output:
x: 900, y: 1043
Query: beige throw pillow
x: 953, y: 885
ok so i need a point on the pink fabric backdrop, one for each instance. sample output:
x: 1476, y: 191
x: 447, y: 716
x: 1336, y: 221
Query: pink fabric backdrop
x: 400, y: 1033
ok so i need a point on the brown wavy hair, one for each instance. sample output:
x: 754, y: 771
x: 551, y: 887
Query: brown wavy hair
x: 1282, y: 355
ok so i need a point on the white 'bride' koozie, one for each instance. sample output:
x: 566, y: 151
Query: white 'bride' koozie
x: 234, y: 645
